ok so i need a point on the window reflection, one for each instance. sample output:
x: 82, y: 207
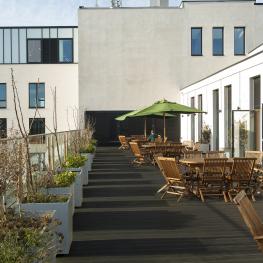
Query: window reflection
x: 239, y: 41
x: 196, y: 43
x: 65, y: 50
x: 37, y: 95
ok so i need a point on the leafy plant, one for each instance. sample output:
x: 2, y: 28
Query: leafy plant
x: 75, y: 161
x: 94, y: 141
x: 44, y: 198
x: 26, y: 239
x: 64, y: 179
x: 206, y: 134
x: 90, y: 148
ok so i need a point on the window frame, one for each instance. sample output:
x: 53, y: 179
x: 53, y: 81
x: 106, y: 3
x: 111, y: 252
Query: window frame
x: 41, y: 51
x: 36, y: 83
x: 72, y: 50
x: 244, y: 40
x: 5, y: 97
x: 223, y: 40
x: 201, y: 53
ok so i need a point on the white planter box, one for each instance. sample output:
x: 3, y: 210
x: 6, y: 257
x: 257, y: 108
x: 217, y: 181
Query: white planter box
x: 78, y: 186
x: 63, y: 191
x: 204, y: 147
x: 63, y: 214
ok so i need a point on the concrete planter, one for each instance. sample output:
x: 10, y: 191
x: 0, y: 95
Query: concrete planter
x: 78, y: 186
x: 63, y: 213
x: 63, y: 191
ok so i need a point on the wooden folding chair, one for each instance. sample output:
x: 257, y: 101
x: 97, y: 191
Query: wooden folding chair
x: 192, y: 154
x: 176, y: 184
x: 215, y: 154
x: 212, y: 178
x: 250, y: 217
x: 240, y: 177
x: 156, y: 159
x: 141, y: 157
x: 124, y: 142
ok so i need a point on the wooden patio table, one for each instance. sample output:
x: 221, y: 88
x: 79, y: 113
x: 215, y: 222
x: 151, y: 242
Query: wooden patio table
x: 198, y: 162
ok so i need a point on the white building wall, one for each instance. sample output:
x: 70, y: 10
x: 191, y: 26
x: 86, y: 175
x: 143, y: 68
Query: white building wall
x: 238, y: 76
x: 62, y: 76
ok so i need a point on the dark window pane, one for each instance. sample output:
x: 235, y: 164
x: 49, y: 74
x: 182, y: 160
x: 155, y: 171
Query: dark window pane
x: 218, y: 45
x: 37, y: 126
x: 196, y: 44
x: 34, y: 51
x: 65, y: 50
x: 2, y: 95
x: 50, y: 50
x: 239, y: 41
x: 37, y: 95
x: 3, y: 128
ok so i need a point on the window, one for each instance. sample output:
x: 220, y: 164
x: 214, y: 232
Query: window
x: 3, y: 128
x: 65, y: 50
x: 50, y: 51
x: 36, y: 95
x: 2, y: 95
x: 239, y: 41
x: 37, y: 126
x: 193, y: 120
x: 218, y: 41
x: 200, y: 117
x: 228, y: 115
x: 196, y: 41
x: 34, y: 51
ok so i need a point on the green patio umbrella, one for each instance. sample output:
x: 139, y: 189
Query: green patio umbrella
x: 134, y: 114
x: 165, y: 107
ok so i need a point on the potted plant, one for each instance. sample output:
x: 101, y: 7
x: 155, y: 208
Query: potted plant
x: 62, y: 205
x: 75, y: 163
x: 205, y: 139
x: 28, y: 237
x: 88, y: 152
x: 62, y: 183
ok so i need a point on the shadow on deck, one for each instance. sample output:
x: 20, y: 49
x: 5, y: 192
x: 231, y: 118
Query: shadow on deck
x: 123, y: 220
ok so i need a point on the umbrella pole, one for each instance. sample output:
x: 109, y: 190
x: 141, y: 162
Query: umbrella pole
x: 164, y: 127
x: 145, y: 127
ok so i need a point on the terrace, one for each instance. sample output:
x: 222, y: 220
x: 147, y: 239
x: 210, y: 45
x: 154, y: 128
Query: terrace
x: 123, y: 220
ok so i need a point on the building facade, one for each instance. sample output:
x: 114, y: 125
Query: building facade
x: 43, y: 59
x: 131, y: 57
x: 233, y: 101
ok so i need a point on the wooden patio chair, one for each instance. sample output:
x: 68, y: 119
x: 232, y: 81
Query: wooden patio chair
x: 124, y: 142
x: 215, y: 154
x: 240, y: 177
x: 188, y: 145
x: 212, y: 178
x: 141, y: 156
x: 176, y: 184
x: 192, y: 154
x: 157, y: 161
x: 250, y: 217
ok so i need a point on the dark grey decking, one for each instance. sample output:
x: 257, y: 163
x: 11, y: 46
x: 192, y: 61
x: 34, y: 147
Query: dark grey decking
x: 122, y: 220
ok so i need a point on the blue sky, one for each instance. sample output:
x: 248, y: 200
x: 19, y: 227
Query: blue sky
x: 46, y: 12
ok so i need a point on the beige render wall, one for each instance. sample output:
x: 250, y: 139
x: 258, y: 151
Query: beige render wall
x: 131, y: 57
x: 64, y: 77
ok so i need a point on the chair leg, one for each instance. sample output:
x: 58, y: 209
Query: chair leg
x: 225, y: 197
x: 230, y: 197
x: 162, y: 188
x: 179, y: 198
x: 163, y: 194
x: 201, y: 195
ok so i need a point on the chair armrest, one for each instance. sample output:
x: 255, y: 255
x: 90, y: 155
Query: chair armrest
x: 258, y: 237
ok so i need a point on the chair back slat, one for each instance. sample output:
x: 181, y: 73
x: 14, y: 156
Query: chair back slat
x: 242, y: 168
x: 135, y: 149
x: 254, y: 154
x: 192, y: 154
x: 250, y: 216
x: 214, y: 166
x: 170, y: 168
x: 215, y: 154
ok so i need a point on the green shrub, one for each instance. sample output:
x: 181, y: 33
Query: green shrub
x: 64, y: 179
x: 94, y: 142
x: 89, y: 149
x: 75, y: 161
x: 44, y: 198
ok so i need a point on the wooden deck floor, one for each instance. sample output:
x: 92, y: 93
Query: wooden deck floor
x: 122, y: 220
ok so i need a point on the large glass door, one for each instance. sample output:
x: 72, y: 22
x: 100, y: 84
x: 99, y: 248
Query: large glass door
x: 243, y: 135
